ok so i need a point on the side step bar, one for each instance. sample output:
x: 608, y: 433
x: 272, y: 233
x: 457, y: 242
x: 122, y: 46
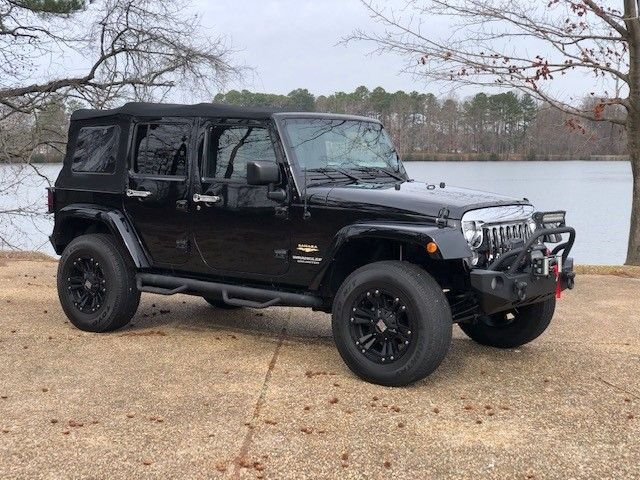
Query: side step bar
x: 231, y: 294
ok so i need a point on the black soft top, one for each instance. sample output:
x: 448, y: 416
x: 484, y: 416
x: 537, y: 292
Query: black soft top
x: 140, y: 109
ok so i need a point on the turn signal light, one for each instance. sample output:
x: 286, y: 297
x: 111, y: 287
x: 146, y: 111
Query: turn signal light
x: 431, y: 247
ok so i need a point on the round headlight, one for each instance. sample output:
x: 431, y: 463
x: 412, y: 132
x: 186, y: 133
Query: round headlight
x: 532, y: 225
x: 472, y: 233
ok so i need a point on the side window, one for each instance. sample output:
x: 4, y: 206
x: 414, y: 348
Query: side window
x: 161, y: 149
x: 229, y: 148
x: 95, y: 150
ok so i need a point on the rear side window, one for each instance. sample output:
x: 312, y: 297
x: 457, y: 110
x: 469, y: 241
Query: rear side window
x: 161, y: 149
x: 95, y: 150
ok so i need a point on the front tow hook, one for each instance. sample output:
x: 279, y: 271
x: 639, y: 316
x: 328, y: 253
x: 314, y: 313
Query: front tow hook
x: 521, y: 290
x: 571, y: 280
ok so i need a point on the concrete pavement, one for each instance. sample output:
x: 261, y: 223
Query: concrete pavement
x: 188, y: 391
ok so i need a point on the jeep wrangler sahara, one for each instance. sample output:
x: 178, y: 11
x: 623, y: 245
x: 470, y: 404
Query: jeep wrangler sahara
x: 255, y: 208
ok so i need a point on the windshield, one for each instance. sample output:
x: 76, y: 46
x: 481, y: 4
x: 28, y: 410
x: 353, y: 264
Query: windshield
x: 335, y: 145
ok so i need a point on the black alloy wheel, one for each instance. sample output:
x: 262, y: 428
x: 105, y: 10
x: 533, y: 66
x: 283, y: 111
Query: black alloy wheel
x: 86, y: 284
x: 391, y: 323
x: 381, y: 326
x: 97, y: 283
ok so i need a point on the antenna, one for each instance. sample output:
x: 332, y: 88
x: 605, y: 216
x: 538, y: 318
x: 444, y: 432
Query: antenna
x: 306, y: 214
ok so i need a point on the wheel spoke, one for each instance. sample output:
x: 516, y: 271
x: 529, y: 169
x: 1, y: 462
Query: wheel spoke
x: 361, y: 320
x: 366, y: 341
x: 84, y: 299
x: 362, y: 313
x: 393, y: 347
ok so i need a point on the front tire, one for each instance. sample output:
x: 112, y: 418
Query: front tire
x: 96, y: 284
x: 512, y: 329
x: 391, y: 323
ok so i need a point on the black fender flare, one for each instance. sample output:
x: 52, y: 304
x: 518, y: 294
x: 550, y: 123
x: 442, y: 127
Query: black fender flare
x: 451, y: 242
x: 113, y: 219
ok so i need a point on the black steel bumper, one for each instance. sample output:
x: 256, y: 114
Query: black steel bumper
x: 515, y: 278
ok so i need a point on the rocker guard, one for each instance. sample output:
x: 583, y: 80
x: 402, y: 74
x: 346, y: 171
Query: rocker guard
x: 509, y: 281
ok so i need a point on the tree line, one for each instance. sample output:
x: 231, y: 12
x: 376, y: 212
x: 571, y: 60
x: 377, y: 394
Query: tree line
x: 502, y: 126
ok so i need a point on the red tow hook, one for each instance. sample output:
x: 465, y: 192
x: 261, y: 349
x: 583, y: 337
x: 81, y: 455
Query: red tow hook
x: 556, y: 272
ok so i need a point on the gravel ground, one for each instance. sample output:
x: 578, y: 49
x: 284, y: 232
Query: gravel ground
x: 192, y: 392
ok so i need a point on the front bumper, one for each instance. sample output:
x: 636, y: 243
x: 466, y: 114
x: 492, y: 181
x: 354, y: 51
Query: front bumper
x: 514, y: 279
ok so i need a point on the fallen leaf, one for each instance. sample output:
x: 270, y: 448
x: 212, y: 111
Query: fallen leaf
x: 145, y: 333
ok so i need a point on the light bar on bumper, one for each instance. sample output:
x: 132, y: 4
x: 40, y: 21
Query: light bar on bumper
x: 550, y: 218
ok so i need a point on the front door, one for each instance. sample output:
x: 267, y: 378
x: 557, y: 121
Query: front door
x: 238, y: 230
x: 157, y: 193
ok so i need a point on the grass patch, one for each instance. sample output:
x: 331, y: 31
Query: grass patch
x: 617, y: 271
x: 31, y: 256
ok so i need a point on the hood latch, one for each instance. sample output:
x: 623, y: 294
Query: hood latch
x: 443, y: 215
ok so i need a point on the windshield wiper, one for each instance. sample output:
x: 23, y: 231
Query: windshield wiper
x: 380, y: 169
x: 328, y: 170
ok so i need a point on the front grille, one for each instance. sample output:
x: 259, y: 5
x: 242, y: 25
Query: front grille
x: 497, y: 238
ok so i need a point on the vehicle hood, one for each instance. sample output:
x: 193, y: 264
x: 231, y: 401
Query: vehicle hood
x: 413, y: 198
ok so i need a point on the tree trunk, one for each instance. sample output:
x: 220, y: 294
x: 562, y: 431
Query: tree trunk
x: 633, y: 125
x: 633, y: 131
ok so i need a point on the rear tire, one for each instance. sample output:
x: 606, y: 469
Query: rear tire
x: 96, y: 284
x: 528, y: 323
x: 391, y: 323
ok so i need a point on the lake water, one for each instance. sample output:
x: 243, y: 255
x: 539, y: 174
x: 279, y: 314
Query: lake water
x: 596, y: 196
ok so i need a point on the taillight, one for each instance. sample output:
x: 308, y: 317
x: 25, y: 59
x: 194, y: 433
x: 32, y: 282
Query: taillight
x: 50, y: 199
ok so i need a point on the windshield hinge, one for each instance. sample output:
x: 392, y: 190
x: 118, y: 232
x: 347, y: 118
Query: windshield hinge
x: 443, y: 215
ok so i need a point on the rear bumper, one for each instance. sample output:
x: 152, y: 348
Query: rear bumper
x: 512, y: 281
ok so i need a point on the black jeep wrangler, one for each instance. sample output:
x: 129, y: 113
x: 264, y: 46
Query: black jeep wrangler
x: 254, y: 208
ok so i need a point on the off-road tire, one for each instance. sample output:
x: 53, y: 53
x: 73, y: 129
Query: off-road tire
x: 120, y: 297
x: 529, y: 323
x: 426, y: 307
x: 219, y: 303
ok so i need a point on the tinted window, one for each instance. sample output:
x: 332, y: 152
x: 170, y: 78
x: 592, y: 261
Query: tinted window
x: 231, y: 147
x: 161, y: 149
x: 95, y: 150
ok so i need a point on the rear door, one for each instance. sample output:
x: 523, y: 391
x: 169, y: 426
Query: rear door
x: 158, y: 186
x: 241, y: 232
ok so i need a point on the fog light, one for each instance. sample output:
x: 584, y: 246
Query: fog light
x: 496, y: 283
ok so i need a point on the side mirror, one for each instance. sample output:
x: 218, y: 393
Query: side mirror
x: 263, y: 173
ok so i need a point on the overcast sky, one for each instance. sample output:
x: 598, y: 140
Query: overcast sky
x: 289, y: 44
x: 294, y: 44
